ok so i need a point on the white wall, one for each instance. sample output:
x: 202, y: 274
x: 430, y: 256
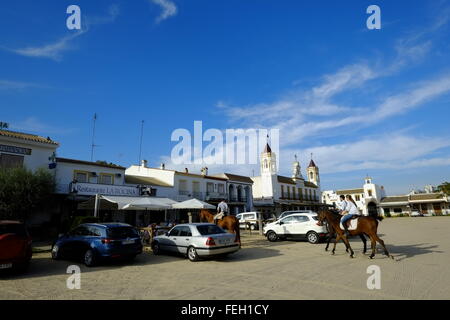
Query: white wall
x: 166, y: 176
x: 40, y: 152
x: 65, y: 174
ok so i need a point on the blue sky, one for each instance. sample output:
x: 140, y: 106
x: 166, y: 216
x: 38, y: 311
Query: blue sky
x: 362, y: 101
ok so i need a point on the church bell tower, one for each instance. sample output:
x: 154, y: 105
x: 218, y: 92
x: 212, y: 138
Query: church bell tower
x: 313, y: 173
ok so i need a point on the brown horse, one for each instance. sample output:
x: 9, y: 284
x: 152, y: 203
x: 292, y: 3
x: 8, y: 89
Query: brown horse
x: 229, y: 223
x: 332, y: 234
x: 366, y: 226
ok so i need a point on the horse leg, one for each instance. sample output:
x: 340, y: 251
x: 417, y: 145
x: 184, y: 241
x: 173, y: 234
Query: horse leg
x: 330, y: 236
x: 363, y: 238
x: 335, y: 242
x: 377, y: 238
x: 338, y: 237
x: 374, y: 245
x: 347, y: 243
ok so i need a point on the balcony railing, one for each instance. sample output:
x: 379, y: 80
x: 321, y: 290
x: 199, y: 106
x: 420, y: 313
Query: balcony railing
x: 237, y: 199
x: 216, y: 195
x: 198, y: 195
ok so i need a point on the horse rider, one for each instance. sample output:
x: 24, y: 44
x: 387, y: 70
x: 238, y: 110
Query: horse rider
x: 349, y: 212
x: 342, y: 204
x: 222, y: 211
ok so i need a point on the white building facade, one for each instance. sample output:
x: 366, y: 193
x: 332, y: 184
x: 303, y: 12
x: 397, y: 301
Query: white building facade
x: 184, y: 185
x: 240, y: 192
x: 367, y: 198
x: 273, y: 194
x: 26, y: 150
x: 428, y: 203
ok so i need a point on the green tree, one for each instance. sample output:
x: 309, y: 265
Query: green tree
x: 23, y: 191
x: 445, y: 187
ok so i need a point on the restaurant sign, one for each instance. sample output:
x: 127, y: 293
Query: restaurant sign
x: 104, y: 189
x: 13, y: 149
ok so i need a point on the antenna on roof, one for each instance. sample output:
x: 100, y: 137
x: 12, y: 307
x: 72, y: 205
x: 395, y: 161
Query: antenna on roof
x: 140, y: 144
x: 93, y: 145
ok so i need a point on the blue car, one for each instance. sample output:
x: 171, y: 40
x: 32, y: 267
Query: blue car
x: 94, y: 242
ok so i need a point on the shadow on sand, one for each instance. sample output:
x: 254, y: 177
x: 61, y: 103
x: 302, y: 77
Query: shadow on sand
x: 42, y: 265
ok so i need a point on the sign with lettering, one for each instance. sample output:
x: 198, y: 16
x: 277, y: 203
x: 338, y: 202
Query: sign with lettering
x: 13, y: 149
x: 104, y: 189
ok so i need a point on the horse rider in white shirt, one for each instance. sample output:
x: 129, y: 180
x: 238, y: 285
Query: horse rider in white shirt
x: 349, y: 212
x: 342, y: 204
x: 222, y: 211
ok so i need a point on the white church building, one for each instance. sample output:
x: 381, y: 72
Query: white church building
x: 367, y: 198
x: 273, y: 194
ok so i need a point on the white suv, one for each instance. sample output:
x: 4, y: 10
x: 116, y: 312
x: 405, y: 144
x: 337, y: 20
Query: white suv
x: 250, y: 218
x: 296, y: 226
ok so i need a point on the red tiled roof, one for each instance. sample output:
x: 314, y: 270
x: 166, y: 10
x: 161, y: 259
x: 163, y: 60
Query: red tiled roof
x: 27, y: 136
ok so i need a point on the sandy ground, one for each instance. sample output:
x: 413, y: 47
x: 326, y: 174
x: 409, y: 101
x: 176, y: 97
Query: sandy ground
x: 261, y: 270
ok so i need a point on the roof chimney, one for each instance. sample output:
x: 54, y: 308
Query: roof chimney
x: 163, y: 166
x: 204, y: 171
x: 186, y: 170
x: 144, y: 163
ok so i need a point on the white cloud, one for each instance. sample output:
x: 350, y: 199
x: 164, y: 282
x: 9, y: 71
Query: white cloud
x: 17, y: 85
x: 389, y: 151
x: 56, y: 49
x: 35, y: 125
x: 169, y: 9
x: 315, y: 112
x: 52, y: 51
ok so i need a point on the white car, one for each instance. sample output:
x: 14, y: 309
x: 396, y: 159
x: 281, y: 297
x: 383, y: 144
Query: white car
x: 249, y: 218
x: 296, y: 226
x: 416, y: 213
x: 196, y: 240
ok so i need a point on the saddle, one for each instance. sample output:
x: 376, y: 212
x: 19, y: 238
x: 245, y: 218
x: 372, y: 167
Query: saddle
x: 352, y: 223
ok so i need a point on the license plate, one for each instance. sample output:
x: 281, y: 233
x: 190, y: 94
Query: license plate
x: 224, y: 241
x: 6, y: 266
x: 127, y: 241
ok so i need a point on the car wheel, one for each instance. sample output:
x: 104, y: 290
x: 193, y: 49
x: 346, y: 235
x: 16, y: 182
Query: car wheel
x: 89, y: 258
x: 192, y: 254
x: 155, y: 248
x: 272, y: 236
x: 252, y: 227
x: 313, y: 237
x: 56, y: 253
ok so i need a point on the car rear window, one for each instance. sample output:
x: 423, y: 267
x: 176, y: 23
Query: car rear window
x: 209, y: 229
x: 315, y: 218
x: 18, y: 229
x: 122, y: 232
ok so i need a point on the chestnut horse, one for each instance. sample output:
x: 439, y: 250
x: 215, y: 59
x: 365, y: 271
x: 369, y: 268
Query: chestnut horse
x: 229, y: 223
x: 332, y: 233
x: 366, y: 226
